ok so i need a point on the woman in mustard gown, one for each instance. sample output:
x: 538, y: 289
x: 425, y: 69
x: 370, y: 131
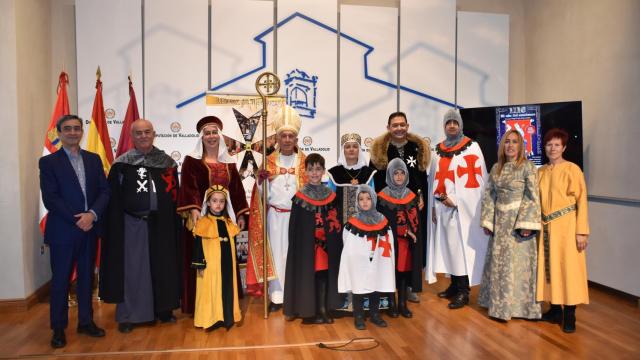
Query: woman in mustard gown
x: 562, y: 265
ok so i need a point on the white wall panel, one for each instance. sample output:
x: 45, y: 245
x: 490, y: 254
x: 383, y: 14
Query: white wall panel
x: 612, y: 254
x: 238, y: 55
x: 108, y: 34
x: 483, y: 59
x: 175, y: 69
x: 368, y: 52
x: 307, y: 66
x: 427, y: 64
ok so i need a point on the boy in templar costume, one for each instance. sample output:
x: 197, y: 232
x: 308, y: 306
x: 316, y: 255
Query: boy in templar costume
x: 313, y: 259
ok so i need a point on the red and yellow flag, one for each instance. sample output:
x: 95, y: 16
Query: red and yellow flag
x: 126, y: 143
x: 98, y: 140
x: 51, y: 141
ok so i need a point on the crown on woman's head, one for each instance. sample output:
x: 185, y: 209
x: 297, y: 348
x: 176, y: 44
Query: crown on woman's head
x: 350, y: 138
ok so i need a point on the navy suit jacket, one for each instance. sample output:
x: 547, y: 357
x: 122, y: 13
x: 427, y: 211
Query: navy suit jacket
x: 63, y: 198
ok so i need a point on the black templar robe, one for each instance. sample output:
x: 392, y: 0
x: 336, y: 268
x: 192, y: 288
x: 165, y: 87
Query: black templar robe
x: 299, y: 290
x: 128, y: 195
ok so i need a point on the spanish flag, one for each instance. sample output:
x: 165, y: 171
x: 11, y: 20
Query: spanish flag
x: 51, y: 141
x: 98, y: 140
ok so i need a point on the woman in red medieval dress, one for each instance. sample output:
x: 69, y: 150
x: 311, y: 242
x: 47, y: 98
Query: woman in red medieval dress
x: 209, y: 164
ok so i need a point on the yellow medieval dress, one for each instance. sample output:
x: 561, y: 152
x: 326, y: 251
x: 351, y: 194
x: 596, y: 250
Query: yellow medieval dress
x: 216, y: 285
x: 562, y: 270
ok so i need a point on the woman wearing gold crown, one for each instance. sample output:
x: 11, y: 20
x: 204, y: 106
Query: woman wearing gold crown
x: 351, y: 171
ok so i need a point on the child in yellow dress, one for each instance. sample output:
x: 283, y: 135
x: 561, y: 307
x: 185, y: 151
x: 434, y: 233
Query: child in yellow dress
x: 214, y: 256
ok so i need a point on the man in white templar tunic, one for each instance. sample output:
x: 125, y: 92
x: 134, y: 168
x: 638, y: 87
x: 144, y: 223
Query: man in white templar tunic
x: 457, y: 244
x: 286, y: 175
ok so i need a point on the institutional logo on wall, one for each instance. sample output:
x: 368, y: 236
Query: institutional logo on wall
x: 109, y: 113
x: 307, y: 141
x: 301, y: 92
x: 175, y: 155
x: 175, y: 127
x: 368, y: 141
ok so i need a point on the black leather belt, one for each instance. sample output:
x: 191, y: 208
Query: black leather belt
x: 144, y: 217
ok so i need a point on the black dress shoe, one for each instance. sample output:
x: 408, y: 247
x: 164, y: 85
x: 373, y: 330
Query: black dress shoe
x: 312, y: 320
x: 554, y: 315
x: 392, y: 311
x: 273, y: 307
x: 91, y: 329
x: 405, y: 312
x: 569, y: 323
x: 358, y: 321
x: 58, y: 340
x: 326, y: 319
x: 171, y: 319
x: 378, y: 320
x: 215, y: 326
x: 451, y: 291
x: 460, y: 300
x: 446, y: 294
x: 125, y: 327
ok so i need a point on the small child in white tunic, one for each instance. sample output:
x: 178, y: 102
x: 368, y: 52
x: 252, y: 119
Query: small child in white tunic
x: 367, y: 264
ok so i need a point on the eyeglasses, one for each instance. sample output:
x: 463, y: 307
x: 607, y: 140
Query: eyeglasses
x: 70, y: 128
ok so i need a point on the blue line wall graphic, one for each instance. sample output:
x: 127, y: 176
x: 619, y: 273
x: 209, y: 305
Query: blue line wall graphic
x: 369, y: 50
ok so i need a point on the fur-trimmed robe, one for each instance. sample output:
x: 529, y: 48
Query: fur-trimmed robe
x: 380, y: 156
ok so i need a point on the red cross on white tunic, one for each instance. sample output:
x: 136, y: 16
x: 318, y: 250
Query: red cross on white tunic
x: 471, y: 170
x: 383, y: 243
x: 443, y: 174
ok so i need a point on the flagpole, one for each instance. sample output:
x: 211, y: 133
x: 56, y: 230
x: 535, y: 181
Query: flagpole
x: 267, y: 84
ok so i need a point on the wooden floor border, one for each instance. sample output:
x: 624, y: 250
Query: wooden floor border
x: 617, y: 293
x: 20, y: 305
x: 40, y: 295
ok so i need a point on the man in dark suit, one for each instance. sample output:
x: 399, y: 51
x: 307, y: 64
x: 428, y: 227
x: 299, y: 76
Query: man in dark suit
x: 75, y: 192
